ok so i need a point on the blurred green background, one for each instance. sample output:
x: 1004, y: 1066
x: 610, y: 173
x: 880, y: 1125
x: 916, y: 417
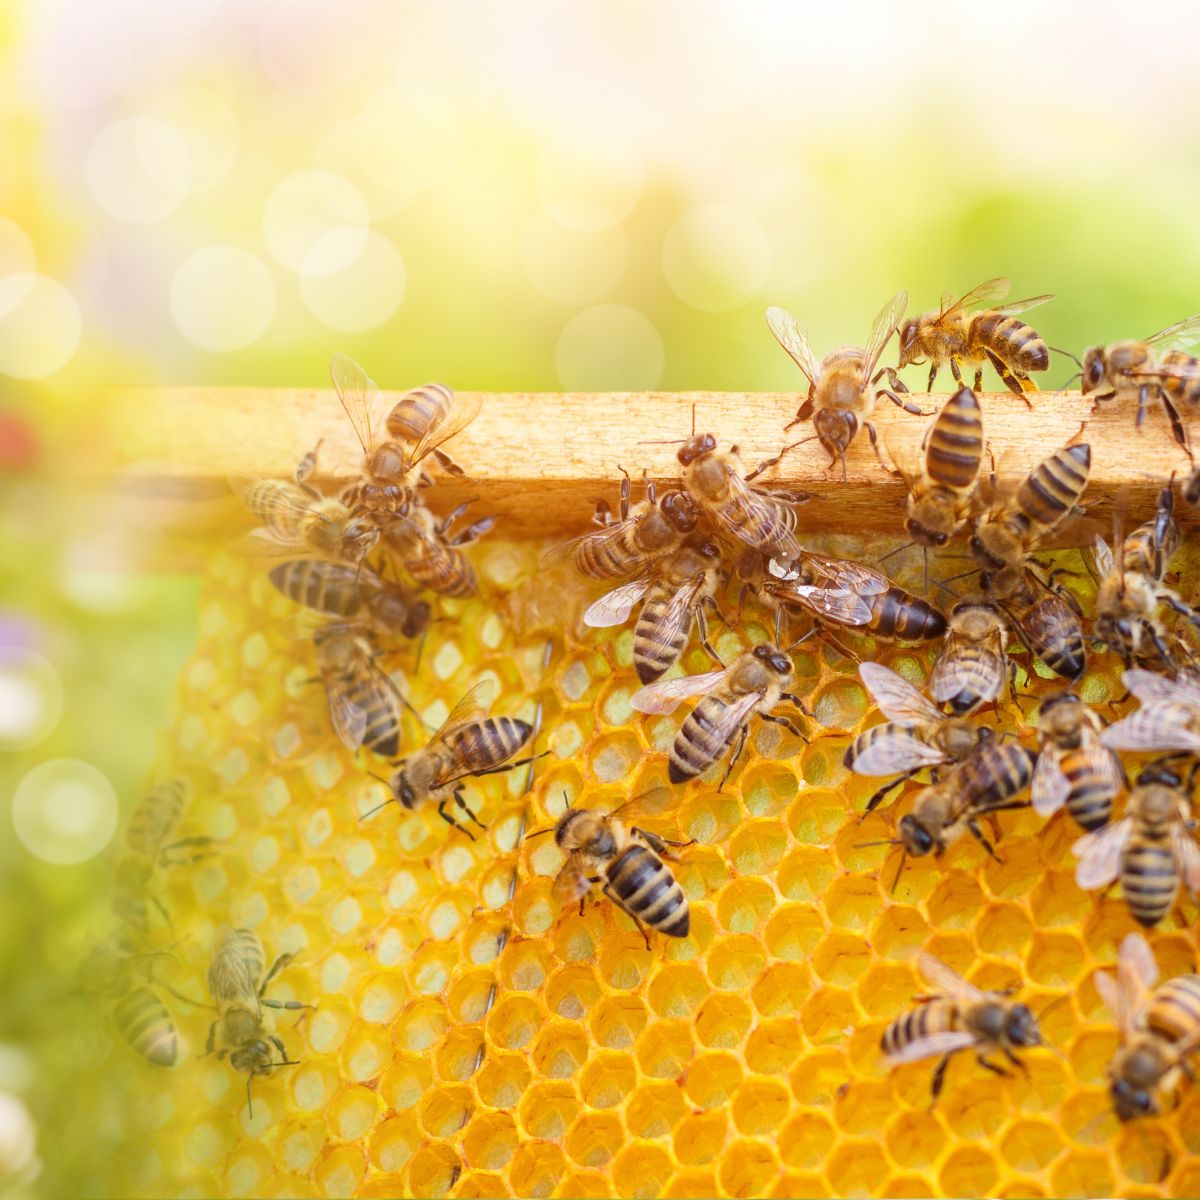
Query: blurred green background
x: 541, y: 197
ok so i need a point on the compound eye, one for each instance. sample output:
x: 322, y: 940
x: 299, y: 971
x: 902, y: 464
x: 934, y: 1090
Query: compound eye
x: 940, y: 539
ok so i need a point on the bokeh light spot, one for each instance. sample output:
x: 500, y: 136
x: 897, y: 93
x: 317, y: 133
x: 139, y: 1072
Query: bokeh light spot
x: 18, y: 1141
x: 590, y: 180
x: 208, y: 126
x: 315, y: 222
x: 139, y: 170
x: 609, y: 348
x: 571, y: 267
x: 312, y: 47
x: 40, y: 335
x: 31, y: 698
x: 222, y: 298
x: 18, y: 262
x: 64, y: 811
x: 364, y: 294
x: 716, y: 257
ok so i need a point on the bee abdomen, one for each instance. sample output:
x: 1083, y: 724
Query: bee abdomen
x: 1010, y: 339
x: 654, y: 654
x: 1090, y: 798
x: 696, y: 747
x: 934, y: 1017
x: 899, y: 614
x: 145, y: 1023
x: 1174, y: 1010
x: 492, y: 741
x: 644, y: 885
x: 956, y: 442
x: 420, y: 412
x: 1149, y: 880
x: 862, y: 743
x: 326, y: 587
x: 155, y: 817
x: 1054, y: 486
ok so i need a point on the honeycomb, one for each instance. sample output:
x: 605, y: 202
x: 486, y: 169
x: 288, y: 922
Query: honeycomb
x: 473, y: 1038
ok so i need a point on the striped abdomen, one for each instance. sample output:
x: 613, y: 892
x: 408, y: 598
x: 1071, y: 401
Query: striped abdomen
x: 608, y: 557
x: 144, y: 1022
x: 374, y: 695
x: 1053, y: 488
x: 1182, y: 392
x: 645, y: 888
x: 994, y: 774
x: 697, y: 746
x: 657, y: 642
x: 1017, y: 344
x: 1052, y: 628
x: 325, y: 586
x: 1174, y: 1009
x: 899, y: 614
x: 1141, y: 553
x: 757, y: 519
x: 955, y: 445
x: 972, y: 674
x: 156, y: 816
x: 281, y: 506
x: 1149, y: 877
x: 489, y: 742
x: 1092, y: 785
x: 420, y: 412
x: 433, y: 564
x: 239, y: 946
x: 938, y: 1016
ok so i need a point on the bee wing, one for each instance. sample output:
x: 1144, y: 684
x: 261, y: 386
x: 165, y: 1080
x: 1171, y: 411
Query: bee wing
x: 571, y: 882
x: 1187, y: 855
x: 884, y: 325
x: 1099, y: 854
x: 898, y: 700
x: 613, y: 608
x: 471, y: 707
x: 264, y: 543
x: 835, y: 603
x: 946, y: 982
x: 349, y: 719
x: 1179, y: 336
x: 732, y: 717
x: 765, y: 504
x: 1050, y: 786
x: 894, y: 751
x: 359, y: 395
x: 1110, y: 993
x: 1152, y: 728
x: 1019, y: 306
x: 935, y: 1043
x: 853, y: 576
x: 789, y: 334
x: 285, y: 494
x: 666, y: 695
x: 677, y: 617
x: 563, y: 550
x: 1135, y: 962
x: 464, y: 410
x: 1175, y: 370
x: 1148, y: 686
x: 229, y: 977
x: 992, y: 289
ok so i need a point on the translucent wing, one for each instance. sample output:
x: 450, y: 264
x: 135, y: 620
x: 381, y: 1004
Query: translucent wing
x: 985, y: 293
x: 1019, y: 306
x: 794, y: 340
x: 732, y: 717
x: 893, y: 751
x: 1179, y: 336
x: 596, y: 537
x: 835, y: 603
x: 1153, y: 728
x: 349, y: 719
x: 1148, y: 687
x: 936, y: 1043
x: 883, y: 327
x: 1187, y: 855
x: 613, y: 608
x: 464, y: 410
x: 853, y: 576
x: 265, y: 543
x: 1110, y: 993
x: 471, y: 707
x: 285, y: 496
x: 359, y: 396
x: 1135, y: 963
x: 666, y: 695
x: 1050, y: 786
x: 1103, y: 555
x: 898, y: 700
x: 229, y: 975
x: 766, y: 507
x: 676, y: 618
x: 1099, y: 854
x: 571, y: 882
x: 946, y: 982
x: 1172, y: 370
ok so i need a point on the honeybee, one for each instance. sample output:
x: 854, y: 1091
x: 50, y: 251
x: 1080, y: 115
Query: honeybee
x: 917, y: 734
x: 1010, y: 529
x: 1150, y: 849
x: 417, y: 425
x: 841, y: 388
x: 156, y: 818
x: 1168, y: 720
x: 972, y: 667
x: 939, y: 497
x: 654, y: 526
x: 418, y: 541
x: 237, y: 979
x: 469, y: 743
x: 1044, y: 615
x: 753, y: 683
x: 1190, y: 488
x: 1074, y: 767
x: 629, y: 866
x: 1130, y: 592
x: 717, y: 485
x: 673, y: 596
x: 854, y: 595
x: 956, y: 1016
x: 951, y: 335
x: 364, y: 703
x: 344, y: 591
x: 1133, y: 368
x: 1159, y: 1029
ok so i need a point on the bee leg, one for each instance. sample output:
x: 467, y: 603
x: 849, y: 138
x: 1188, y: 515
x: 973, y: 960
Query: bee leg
x: 626, y: 491
x: 796, y: 701
x: 448, y: 464
x: 703, y: 626
x: 874, y: 802
x: 603, y: 514
x: 991, y: 1066
x: 1176, y: 605
x: 973, y: 826
x: 737, y: 753
x: 789, y: 725
x: 978, y: 379
x: 939, y: 1079
x: 458, y: 799
x: 277, y: 966
x: 659, y: 844
x: 933, y: 371
x: 1177, y: 429
x: 1012, y: 1058
x: 291, y: 1005
x: 166, y: 987
x: 1143, y: 404
x: 443, y: 526
x: 1012, y: 381
x: 473, y: 532
x: 212, y: 1037
x: 441, y: 809
x: 607, y: 890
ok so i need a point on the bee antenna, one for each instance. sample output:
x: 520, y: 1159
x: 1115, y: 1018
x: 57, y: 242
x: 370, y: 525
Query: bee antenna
x: 664, y: 442
x: 249, y: 1099
x: 941, y: 583
x: 693, y: 418
x: 390, y: 800
x: 881, y: 842
x: 1071, y: 379
x: 566, y: 798
x: 539, y: 833
x: 892, y: 553
x: 1067, y: 354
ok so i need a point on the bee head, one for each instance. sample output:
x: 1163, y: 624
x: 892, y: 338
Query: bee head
x: 678, y: 507
x: 240, y: 1027
x: 909, y: 342
x: 1157, y: 772
x: 697, y: 445
x: 1094, y: 370
x: 774, y: 658
x: 925, y: 533
x: 1131, y: 1102
x: 1021, y: 1027
x: 402, y: 786
x: 918, y: 841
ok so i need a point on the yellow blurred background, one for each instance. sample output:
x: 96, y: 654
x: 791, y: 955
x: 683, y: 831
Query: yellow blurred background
x: 529, y: 196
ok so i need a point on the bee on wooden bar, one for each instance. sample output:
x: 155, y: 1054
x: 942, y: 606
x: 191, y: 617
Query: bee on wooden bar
x: 642, y: 532
x: 1144, y: 369
x: 1044, y: 615
x: 1150, y: 850
x: 352, y: 593
x: 1159, y: 1030
x: 1168, y: 720
x: 243, y: 1030
x: 951, y: 335
x: 468, y: 744
x: 957, y: 1016
x: 154, y: 822
x: 673, y: 596
x: 842, y: 389
x: 416, y: 426
x: 753, y: 683
x: 972, y: 666
x: 364, y: 704
x: 629, y: 865
x: 418, y: 541
x: 917, y: 735
x: 854, y: 595
x: 1011, y: 528
x: 1074, y: 767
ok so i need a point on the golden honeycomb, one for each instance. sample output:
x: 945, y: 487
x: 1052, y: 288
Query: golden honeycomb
x: 472, y: 1038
